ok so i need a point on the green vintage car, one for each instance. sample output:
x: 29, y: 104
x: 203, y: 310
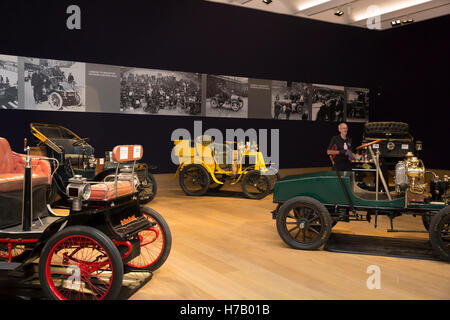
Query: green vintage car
x: 309, y: 205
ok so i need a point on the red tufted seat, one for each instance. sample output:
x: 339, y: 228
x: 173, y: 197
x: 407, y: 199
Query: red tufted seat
x: 12, y: 168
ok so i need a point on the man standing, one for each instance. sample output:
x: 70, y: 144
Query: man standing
x: 71, y: 80
x: 340, y: 147
x: 36, y: 83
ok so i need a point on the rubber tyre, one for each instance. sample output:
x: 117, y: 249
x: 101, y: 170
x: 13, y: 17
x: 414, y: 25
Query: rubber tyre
x: 204, y: 176
x: 235, y: 106
x: 426, y: 222
x: 323, y: 214
x: 215, y: 186
x: 439, y: 224
x: 77, y: 99
x: 214, y: 103
x: 245, y: 181
x: 274, y: 178
x: 53, y: 101
x: 142, y: 263
x: 152, y: 180
x: 102, y: 240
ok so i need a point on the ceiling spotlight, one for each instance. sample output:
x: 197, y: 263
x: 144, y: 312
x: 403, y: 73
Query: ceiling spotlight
x: 339, y: 13
x: 398, y: 22
x: 267, y: 1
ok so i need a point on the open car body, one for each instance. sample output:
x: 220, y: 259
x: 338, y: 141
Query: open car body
x: 76, y: 156
x: 309, y: 205
x: 325, y: 187
x: 97, y: 237
x: 209, y: 163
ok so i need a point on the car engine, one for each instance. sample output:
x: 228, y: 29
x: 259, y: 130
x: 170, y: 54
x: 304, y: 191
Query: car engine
x: 410, y: 178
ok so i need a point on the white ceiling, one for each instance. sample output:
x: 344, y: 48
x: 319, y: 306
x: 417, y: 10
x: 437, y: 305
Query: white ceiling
x: 373, y: 14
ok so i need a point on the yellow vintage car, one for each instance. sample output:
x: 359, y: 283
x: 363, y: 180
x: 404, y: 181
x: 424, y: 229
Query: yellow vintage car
x: 206, y: 165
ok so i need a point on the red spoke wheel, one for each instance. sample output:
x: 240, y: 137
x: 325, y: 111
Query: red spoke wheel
x: 16, y: 251
x: 80, y: 263
x: 156, y: 243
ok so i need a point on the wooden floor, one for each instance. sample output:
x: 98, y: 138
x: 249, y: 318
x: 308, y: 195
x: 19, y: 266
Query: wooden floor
x: 228, y: 248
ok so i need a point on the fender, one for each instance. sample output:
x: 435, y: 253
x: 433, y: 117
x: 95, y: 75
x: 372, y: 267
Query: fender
x: 204, y: 165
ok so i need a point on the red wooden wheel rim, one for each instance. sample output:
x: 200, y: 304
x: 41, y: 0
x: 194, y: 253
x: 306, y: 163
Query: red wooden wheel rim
x: 84, y: 257
x: 152, y: 245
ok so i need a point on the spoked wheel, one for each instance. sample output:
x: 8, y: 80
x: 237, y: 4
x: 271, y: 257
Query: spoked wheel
x: 147, y: 189
x: 77, y: 99
x: 273, y: 176
x: 235, y: 106
x: 214, y: 103
x: 80, y: 263
x: 426, y: 221
x: 194, y: 180
x: 440, y: 233
x: 17, y: 252
x: 304, y: 223
x: 255, y: 185
x: 55, y: 100
x: 216, y: 186
x: 156, y: 243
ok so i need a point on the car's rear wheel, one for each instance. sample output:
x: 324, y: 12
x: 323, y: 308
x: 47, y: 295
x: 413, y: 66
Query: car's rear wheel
x: 213, y: 186
x: 304, y: 223
x: 77, y: 99
x: 155, y: 242
x: 426, y: 221
x: 147, y: 189
x: 273, y: 176
x: 194, y: 180
x: 440, y: 233
x: 256, y: 185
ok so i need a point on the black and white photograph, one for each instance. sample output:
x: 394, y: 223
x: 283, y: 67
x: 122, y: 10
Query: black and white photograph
x: 8, y: 82
x: 357, y: 104
x: 148, y: 91
x: 291, y: 100
x: 54, y: 85
x: 328, y: 103
x: 226, y: 96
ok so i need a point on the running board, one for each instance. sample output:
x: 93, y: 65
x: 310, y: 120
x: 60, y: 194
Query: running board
x: 9, y: 266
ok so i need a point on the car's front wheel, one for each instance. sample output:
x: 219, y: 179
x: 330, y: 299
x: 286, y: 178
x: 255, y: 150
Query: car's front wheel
x: 194, y: 180
x: 80, y: 263
x: 304, y: 223
x: 55, y: 100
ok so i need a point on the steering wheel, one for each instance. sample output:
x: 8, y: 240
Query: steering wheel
x: 368, y: 144
x: 80, y: 142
